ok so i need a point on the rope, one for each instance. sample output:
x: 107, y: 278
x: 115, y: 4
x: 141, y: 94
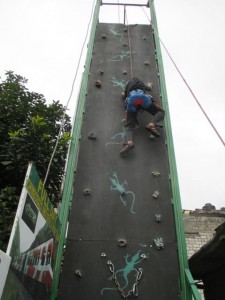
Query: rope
x: 187, y: 85
x: 129, y: 41
x: 197, y: 101
x: 65, y: 108
x: 118, y: 2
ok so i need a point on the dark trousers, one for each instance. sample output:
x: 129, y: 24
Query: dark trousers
x: 131, y: 119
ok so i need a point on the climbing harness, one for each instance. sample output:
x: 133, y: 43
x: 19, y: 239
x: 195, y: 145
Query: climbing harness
x: 133, y: 290
x: 137, y: 98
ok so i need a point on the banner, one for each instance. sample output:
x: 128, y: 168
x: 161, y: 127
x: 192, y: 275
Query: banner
x: 33, y: 243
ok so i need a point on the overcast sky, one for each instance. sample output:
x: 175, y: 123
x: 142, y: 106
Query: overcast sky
x: 41, y: 41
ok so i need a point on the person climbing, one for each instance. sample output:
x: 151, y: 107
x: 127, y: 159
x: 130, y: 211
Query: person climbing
x: 137, y: 98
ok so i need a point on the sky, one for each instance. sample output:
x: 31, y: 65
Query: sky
x: 42, y: 41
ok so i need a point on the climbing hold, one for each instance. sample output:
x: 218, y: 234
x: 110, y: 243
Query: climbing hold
x: 144, y: 38
x: 103, y: 36
x: 98, y: 83
x: 122, y: 243
x: 146, y: 63
x: 125, y: 45
x: 159, y: 243
x: 87, y: 192
x: 125, y: 29
x: 155, y: 173
x: 152, y: 137
x: 103, y: 254
x: 155, y: 194
x: 158, y: 218
x: 92, y: 136
x: 100, y: 72
x: 78, y: 273
x: 144, y: 256
x: 124, y: 72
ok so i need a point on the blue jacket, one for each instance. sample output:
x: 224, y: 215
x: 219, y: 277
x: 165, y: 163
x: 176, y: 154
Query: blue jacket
x: 138, y: 99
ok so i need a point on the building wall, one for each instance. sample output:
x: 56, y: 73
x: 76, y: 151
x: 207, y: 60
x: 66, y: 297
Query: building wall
x: 200, y: 226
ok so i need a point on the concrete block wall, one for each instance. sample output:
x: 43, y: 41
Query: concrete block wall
x: 200, y: 226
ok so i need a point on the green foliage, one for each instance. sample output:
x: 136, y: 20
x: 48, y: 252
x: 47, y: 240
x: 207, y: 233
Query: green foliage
x: 28, y: 132
x: 8, y: 206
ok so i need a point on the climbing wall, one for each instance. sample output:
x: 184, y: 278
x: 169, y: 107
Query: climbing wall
x: 121, y: 238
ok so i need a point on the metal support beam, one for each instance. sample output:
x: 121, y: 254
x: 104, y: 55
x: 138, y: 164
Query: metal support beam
x: 125, y: 4
x: 186, y: 283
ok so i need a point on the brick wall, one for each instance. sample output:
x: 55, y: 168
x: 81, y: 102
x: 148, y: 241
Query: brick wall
x: 200, y: 226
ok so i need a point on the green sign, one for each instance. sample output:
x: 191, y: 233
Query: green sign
x: 35, y: 188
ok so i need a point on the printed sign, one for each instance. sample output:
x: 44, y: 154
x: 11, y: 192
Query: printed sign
x: 33, y: 243
x: 30, y: 213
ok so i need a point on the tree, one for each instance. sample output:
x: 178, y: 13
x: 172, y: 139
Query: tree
x: 8, y: 206
x: 29, y: 130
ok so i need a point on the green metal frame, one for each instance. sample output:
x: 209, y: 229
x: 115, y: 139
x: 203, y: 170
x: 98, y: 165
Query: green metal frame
x: 73, y: 154
x: 188, y: 287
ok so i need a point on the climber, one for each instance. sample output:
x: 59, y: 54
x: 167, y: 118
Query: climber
x: 137, y: 98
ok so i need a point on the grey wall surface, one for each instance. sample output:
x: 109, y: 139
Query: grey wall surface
x: 99, y: 220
